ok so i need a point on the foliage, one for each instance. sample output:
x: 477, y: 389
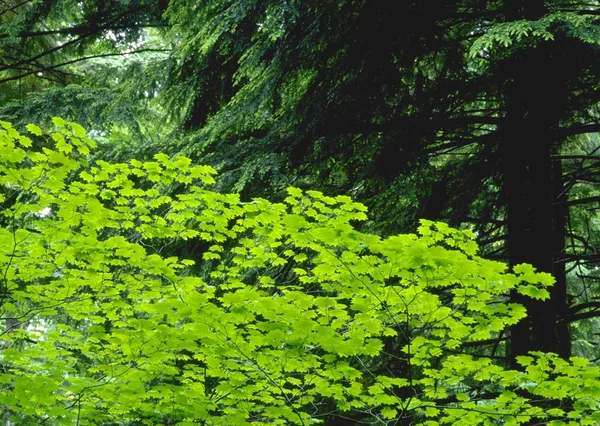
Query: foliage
x: 289, y: 311
x: 85, y: 60
x: 44, y: 44
x: 431, y: 123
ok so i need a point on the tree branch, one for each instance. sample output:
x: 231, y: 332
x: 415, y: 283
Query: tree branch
x: 400, y: 123
x: 45, y: 53
x: 579, y: 201
x: 85, y: 58
x: 484, y: 342
x: 583, y: 306
x: 576, y: 157
x: 587, y: 277
x: 578, y: 130
x: 578, y: 257
x: 91, y: 32
x: 581, y: 316
x: 78, y: 29
x: 2, y: 12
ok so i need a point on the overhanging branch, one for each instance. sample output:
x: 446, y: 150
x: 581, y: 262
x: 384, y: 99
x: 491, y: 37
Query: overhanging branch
x: 582, y: 306
x: 85, y: 58
x: 579, y: 201
x: 584, y: 315
x: 578, y: 130
x: 76, y: 30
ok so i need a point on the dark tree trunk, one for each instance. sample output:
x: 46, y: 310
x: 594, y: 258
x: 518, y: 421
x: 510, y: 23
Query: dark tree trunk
x: 528, y: 186
x: 536, y: 230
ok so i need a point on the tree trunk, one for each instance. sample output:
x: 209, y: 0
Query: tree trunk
x: 528, y: 186
x: 532, y: 183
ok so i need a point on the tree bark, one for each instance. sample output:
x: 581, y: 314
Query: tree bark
x: 533, y: 185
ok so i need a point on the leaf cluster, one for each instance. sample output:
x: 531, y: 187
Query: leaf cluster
x: 291, y: 316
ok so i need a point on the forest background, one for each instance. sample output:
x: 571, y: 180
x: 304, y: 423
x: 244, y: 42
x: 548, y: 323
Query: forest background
x: 481, y: 114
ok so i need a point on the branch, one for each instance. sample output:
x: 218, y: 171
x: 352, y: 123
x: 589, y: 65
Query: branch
x: 586, y: 243
x: 578, y: 257
x: 449, y: 146
x: 92, y: 31
x: 45, y: 53
x: 479, y: 396
x: 578, y: 201
x: 582, y: 316
x: 493, y: 240
x: 484, y: 342
x: 400, y: 123
x: 2, y: 12
x: 582, y: 306
x: 85, y: 58
x: 77, y: 29
x: 579, y: 11
x: 587, y: 277
x: 578, y: 130
x: 576, y: 157
x: 498, y: 222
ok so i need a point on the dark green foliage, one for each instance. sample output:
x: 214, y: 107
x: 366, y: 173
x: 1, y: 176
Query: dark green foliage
x: 85, y: 61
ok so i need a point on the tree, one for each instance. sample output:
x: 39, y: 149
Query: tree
x: 417, y: 112
x: 42, y: 41
x: 283, y: 319
x: 70, y: 56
